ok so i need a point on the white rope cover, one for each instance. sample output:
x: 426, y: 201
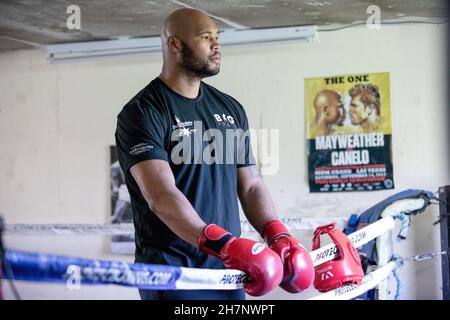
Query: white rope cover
x: 348, y: 292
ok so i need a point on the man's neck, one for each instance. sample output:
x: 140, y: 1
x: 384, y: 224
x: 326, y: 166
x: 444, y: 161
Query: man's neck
x: 367, y: 126
x: 181, y: 84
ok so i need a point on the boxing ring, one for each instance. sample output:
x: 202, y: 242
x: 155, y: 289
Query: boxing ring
x: 77, y: 272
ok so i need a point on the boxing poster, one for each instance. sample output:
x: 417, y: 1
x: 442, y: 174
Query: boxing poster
x: 120, y: 207
x: 348, y: 133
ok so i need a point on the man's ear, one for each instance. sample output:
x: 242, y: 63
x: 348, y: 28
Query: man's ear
x: 174, y: 44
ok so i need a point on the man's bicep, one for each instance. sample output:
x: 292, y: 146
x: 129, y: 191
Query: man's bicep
x: 153, y: 177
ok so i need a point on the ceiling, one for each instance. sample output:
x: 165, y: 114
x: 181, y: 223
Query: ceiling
x: 27, y: 24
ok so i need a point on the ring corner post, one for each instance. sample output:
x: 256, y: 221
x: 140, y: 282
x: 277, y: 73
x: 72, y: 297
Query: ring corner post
x: 444, y: 213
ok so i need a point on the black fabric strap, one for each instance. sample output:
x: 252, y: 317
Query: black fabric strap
x: 217, y: 245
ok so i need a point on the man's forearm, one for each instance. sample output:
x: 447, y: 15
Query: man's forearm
x: 258, y: 205
x: 174, y: 209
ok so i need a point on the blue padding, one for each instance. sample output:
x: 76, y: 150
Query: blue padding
x: 62, y: 269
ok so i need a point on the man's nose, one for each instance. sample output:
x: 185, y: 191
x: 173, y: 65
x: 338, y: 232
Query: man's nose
x: 215, y: 45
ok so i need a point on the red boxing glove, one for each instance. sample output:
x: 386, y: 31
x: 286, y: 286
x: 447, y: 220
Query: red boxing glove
x: 298, y: 266
x: 261, y: 264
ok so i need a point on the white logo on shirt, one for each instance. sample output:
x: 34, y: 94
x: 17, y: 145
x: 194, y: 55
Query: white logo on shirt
x: 224, y: 118
x: 140, y: 148
x: 183, y: 131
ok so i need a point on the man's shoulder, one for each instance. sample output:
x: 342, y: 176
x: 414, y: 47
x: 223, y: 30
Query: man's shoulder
x: 222, y: 95
x: 146, y: 100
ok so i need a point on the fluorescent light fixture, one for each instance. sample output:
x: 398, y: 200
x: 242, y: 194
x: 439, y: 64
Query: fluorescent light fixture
x: 81, y: 51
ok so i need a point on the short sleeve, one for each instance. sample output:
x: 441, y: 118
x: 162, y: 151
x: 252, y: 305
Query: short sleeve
x: 140, y: 135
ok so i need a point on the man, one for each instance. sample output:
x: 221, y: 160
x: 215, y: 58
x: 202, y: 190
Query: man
x: 330, y: 112
x: 365, y: 106
x: 184, y: 202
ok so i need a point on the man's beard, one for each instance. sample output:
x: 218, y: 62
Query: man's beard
x: 193, y: 64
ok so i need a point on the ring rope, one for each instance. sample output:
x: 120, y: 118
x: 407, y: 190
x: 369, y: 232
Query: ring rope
x: 128, y: 228
x: 348, y: 292
x: 76, y: 271
x: 66, y: 229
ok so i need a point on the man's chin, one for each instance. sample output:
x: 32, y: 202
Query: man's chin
x: 212, y: 72
x: 216, y: 71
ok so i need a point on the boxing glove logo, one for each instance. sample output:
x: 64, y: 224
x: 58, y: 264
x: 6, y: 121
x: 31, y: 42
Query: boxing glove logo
x: 257, y: 248
x: 327, y: 275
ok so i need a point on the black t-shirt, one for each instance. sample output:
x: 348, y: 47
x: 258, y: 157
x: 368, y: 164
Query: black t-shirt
x: 204, y: 140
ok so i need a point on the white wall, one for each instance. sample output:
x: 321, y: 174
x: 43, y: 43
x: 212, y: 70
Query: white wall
x: 57, y: 122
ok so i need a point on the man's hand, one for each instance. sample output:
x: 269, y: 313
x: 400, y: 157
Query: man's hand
x: 261, y: 264
x: 298, y: 266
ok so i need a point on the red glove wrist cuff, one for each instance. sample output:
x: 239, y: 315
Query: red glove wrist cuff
x: 273, y: 229
x: 212, y: 239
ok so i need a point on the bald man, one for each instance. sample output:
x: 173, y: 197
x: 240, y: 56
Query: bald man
x: 330, y: 112
x: 185, y: 151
